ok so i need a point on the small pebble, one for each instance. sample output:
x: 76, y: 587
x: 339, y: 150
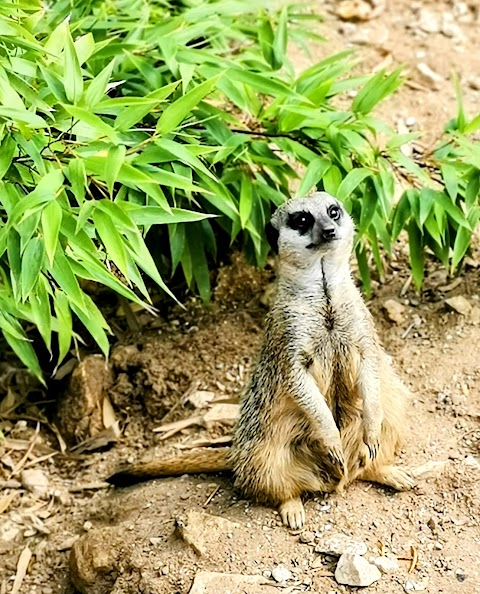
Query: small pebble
x: 307, y: 537
x: 281, y: 574
x: 87, y: 525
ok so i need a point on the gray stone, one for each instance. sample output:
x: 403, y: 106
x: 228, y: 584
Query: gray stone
x: 281, y: 574
x: 395, y: 311
x: 386, y: 564
x: 459, y: 304
x: 355, y: 570
x: 428, y: 21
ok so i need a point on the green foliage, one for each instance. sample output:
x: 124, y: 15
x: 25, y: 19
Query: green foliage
x: 186, y: 122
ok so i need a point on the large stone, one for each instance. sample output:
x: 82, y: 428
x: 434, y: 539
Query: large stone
x: 459, y: 304
x: 94, y: 561
x: 355, y: 570
x: 203, y: 531
x: 80, y: 411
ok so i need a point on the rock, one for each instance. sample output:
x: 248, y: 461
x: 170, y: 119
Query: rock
x: 460, y: 575
x: 307, y: 537
x: 386, y: 564
x: 201, y: 398
x: 430, y: 469
x: 430, y: 76
x: 395, y: 311
x: 355, y: 570
x: 281, y: 574
x: 415, y: 586
x: 472, y: 462
x: 452, y: 30
x: 8, y: 532
x: 209, y: 582
x: 474, y: 83
x: 459, y: 304
x: 354, y: 10
x: 201, y: 530
x: 428, y: 21
x: 94, y: 561
x: 35, y: 481
x: 80, y: 411
x: 475, y: 315
x: 338, y: 544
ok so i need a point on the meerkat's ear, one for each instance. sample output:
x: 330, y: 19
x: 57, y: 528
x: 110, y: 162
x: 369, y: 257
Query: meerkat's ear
x: 272, y: 234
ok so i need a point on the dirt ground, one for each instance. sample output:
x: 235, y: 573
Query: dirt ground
x: 137, y: 538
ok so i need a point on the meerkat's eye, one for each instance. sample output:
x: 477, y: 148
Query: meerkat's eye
x: 334, y: 212
x: 301, y: 222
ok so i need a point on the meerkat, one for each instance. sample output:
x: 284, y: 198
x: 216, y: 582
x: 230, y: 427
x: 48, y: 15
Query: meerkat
x: 323, y: 405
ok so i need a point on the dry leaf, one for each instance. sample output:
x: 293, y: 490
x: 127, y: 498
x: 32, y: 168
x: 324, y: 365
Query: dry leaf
x: 5, y: 501
x: 101, y: 440
x: 219, y: 413
x: 10, y: 402
x: 22, y: 568
x: 108, y: 414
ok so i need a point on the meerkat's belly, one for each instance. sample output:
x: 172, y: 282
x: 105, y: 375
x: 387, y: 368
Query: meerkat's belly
x: 335, y: 369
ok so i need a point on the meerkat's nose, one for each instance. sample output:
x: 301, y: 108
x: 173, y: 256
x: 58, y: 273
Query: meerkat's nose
x: 328, y: 233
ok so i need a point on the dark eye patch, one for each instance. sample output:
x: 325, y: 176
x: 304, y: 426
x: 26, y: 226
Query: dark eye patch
x: 301, y: 222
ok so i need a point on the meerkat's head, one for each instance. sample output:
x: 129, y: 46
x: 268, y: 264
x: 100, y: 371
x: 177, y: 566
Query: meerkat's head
x: 304, y: 230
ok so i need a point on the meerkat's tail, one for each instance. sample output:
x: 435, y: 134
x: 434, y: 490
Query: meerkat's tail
x: 207, y: 460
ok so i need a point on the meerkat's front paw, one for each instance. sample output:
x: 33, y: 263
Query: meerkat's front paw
x: 292, y: 513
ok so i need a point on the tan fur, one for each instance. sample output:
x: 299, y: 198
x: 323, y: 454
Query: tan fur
x: 323, y: 406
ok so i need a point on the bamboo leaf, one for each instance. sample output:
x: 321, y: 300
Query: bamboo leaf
x: 72, y: 74
x: 176, y: 112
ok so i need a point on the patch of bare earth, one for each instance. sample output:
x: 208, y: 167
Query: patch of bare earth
x: 156, y: 538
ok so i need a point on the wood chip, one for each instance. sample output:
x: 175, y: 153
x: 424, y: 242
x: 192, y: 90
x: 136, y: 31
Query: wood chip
x: 22, y: 568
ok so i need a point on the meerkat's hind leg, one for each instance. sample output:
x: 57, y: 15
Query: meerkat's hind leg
x: 396, y: 477
x: 292, y: 513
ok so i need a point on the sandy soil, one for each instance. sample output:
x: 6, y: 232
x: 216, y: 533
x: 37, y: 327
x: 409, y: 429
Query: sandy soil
x: 135, y: 535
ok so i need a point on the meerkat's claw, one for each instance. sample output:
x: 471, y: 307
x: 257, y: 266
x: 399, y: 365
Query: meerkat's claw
x: 292, y: 513
x: 335, y: 455
x: 373, y: 449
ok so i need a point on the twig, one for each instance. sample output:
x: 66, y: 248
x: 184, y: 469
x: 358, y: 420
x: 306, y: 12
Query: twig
x: 211, y: 496
x: 40, y: 459
x: 408, y: 330
x: 20, y: 465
